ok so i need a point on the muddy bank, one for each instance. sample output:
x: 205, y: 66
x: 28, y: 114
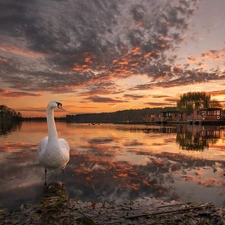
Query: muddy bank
x: 56, y: 208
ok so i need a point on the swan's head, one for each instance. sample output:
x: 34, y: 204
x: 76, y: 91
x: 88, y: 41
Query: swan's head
x: 55, y: 104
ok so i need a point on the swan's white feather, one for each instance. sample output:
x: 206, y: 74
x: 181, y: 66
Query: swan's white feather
x: 42, y: 145
x: 64, y: 144
x: 53, y: 156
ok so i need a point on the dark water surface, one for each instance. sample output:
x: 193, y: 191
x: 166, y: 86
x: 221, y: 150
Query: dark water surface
x: 113, y: 162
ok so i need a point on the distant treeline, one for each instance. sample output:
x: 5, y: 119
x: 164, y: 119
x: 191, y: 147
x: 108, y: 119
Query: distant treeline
x: 124, y: 116
x: 9, y: 115
x: 9, y: 119
x: 41, y: 119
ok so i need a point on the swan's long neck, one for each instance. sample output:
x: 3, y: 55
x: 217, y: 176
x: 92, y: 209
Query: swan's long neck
x: 52, y: 132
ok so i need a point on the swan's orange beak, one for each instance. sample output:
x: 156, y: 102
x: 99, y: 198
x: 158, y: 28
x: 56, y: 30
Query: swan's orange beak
x: 60, y: 107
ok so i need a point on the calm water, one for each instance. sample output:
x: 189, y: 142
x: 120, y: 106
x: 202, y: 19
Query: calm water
x: 114, y: 162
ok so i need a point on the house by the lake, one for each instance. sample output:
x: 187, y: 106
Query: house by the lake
x: 197, y: 116
x: 206, y: 115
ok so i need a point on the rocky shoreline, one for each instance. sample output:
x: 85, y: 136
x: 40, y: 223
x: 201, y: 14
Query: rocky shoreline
x: 56, y: 208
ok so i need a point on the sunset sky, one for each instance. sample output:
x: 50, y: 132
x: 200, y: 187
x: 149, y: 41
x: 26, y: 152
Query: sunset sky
x: 109, y: 55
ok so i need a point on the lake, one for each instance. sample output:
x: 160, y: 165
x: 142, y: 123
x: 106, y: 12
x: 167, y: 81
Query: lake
x: 110, y: 162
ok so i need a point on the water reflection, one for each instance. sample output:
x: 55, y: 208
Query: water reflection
x: 198, y: 138
x: 7, y: 127
x: 114, y: 162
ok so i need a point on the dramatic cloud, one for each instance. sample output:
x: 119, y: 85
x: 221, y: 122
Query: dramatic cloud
x: 63, y: 45
x: 104, y: 99
x: 135, y: 97
x: 18, y: 94
x: 89, y: 49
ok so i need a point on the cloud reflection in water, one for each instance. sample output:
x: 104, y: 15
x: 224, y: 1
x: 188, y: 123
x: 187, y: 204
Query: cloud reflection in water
x: 114, y: 162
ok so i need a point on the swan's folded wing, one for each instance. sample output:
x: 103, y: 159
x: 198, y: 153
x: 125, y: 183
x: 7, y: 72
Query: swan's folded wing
x: 64, y: 144
x: 42, y: 145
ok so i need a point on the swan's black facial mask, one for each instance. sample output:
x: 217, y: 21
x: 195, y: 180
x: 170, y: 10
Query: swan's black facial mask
x: 60, y: 106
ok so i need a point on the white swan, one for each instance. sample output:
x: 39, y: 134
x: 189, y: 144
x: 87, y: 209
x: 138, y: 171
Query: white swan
x: 53, y: 153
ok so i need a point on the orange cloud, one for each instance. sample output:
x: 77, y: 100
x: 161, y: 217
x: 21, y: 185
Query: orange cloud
x: 122, y: 175
x: 123, y: 63
x: 148, y: 55
x: 192, y: 59
x: 87, y: 60
x: 214, y: 55
x: 135, y: 186
x: 136, y: 51
x: 17, y: 94
x: 134, y: 64
x: 76, y: 68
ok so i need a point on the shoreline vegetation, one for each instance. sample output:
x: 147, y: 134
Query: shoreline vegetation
x: 123, y: 116
x: 56, y: 208
x: 9, y: 115
x: 9, y: 119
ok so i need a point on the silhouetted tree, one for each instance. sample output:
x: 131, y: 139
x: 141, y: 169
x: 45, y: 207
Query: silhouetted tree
x: 193, y: 100
x: 8, y: 114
